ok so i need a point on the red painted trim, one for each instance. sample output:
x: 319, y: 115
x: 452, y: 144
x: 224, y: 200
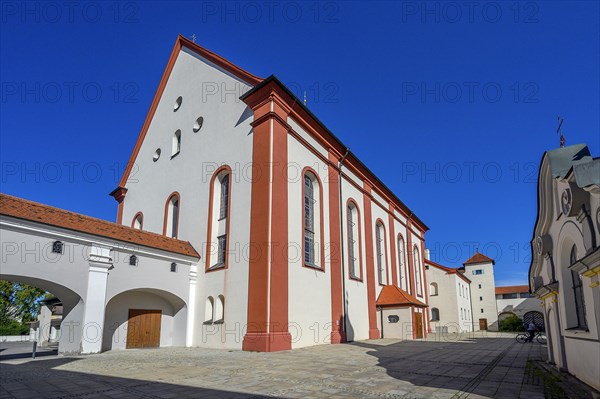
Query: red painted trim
x: 135, y: 217
x: 321, y: 267
x: 119, y: 195
x: 359, y: 221
x: 387, y: 271
x: 173, y: 194
x: 392, y: 238
x: 209, y: 235
x: 267, y: 328
x: 370, y: 268
x: 335, y: 262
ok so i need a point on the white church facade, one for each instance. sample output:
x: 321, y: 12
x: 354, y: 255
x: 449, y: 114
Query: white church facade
x: 279, y: 236
x: 565, y: 267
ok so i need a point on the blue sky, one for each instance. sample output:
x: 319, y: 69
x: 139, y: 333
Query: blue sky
x: 451, y: 105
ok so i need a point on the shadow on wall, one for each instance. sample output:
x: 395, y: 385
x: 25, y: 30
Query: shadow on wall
x: 96, y: 385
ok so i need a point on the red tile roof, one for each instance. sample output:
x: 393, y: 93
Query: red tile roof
x: 391, y: 295
x: 479, y: 258
x: 448, y: 270
x: 512, y: 289
x: 36, y: 212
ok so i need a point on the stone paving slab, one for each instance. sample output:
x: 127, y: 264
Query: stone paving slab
x: 470, y: 366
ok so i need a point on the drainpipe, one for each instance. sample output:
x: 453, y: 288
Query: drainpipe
x: 345, y: 307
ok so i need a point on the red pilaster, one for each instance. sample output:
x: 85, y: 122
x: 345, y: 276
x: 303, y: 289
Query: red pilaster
x: 337, y: 318
x: 373, y: 330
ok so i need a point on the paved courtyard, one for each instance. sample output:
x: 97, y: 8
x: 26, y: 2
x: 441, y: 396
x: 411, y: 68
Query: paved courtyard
x: 469, y: 366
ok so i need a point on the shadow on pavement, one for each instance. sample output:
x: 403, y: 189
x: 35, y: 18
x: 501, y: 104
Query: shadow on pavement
x: 40, y: 379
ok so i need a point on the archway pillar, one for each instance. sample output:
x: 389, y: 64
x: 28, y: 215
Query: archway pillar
x: 100, y: 263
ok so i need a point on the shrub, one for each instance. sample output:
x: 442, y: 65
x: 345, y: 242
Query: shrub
x: 13, y: 327
x: 511, y: 323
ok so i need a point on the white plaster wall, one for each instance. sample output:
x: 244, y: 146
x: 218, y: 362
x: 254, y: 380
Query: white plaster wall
x: 378, y: 212
x: 400, y: 330
x: 225, y: 138
x: 503, y: 304
x: 309, y: 289
x: 487, y: 292
x: 356, y: 297
x: 447, y: 301
x: 117, y: 315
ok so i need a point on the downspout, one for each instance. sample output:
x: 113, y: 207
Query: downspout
x: 345, y: 305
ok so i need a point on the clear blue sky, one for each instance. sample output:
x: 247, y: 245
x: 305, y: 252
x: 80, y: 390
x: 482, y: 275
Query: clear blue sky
x: 451, y: 106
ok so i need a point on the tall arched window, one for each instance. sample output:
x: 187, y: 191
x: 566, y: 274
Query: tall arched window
x: 354, y: 261
x: 138, y: 221
x: 578, y: 292
x: 433, y: 289
x: 171, y: 216
x: 218, y: 219
x: 380, y: 253
x: 176, y: 145
x: 312, y: 220
x: 417, y: 266
x: 401, y: 262
x: 208, y: 310
x: 435, y: 314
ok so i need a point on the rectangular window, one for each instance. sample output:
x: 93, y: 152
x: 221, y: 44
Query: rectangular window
x: 224, y: 197
x: 222, y: 248
x: 481, y: 310
x: 174, y: 217
x: 173, y: 267
x: 479, y: 285
x: 309, y: 222
x: 481, y: 298
x: 478, y: 271
x: 579, y: 301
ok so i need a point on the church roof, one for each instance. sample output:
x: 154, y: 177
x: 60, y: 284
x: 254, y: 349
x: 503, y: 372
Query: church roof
x: 448, y: 270
x: 392, y: 295
x: 33, y: 211
x: 564, y: 158
x: 479, y: 258
x: 512, y: 289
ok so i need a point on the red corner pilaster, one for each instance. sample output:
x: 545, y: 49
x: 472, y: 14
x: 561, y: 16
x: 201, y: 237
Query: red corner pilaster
x: 337, y: 316
x: 393, y: 252
x: 267, y: 329
x: 373, y: 330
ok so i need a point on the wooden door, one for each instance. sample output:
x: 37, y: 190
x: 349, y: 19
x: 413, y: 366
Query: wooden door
x: 483, y: 324
x: 419, y: 324
x: 143, y: 328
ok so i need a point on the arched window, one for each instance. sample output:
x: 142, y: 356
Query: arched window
x: 218, y: 219
x: 208, y: 310
x: 380, y: 253
x: 402, y: 262
x: 138, y: 221
x: 578, y: 292
x: 417, y: 266
x: 312, y: 222
x: 435, y: 314
x: 219, y: 309
x: 176, y: 143
x: 171, y: 216
x: 433, y: 289
x: 354, y: 260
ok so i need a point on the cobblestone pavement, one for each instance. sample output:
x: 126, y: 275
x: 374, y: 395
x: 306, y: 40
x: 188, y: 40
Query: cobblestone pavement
x: 469, y: 366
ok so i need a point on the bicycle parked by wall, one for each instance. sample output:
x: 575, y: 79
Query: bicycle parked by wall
x: 523, y: 337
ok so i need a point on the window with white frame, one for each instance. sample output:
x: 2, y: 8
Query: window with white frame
x: 311, y: 220
x: 221, y: 250
x: 417, y: 265
x: 176, y: 143
x: 208, y: 310
x: 353, y: 241
x: 401, y: 262
x: 577, y: 286
x: 380, y: 247
x: 435, y: 314
x: 219, y: 215
x: 172, y: 219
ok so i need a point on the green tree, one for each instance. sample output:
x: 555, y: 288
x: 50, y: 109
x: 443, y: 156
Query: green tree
x: 18, y: 302
x: 511, y: 323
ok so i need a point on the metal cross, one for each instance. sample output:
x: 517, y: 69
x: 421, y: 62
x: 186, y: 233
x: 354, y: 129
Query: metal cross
x: 194, y: 37
x: 559, y: 131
